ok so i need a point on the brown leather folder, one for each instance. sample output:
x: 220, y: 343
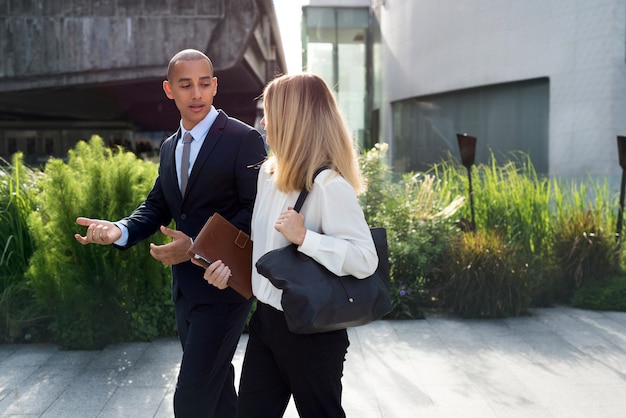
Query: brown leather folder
x: 220, y: 240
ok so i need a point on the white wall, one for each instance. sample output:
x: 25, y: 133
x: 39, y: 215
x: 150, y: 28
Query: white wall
x: 436, y: 46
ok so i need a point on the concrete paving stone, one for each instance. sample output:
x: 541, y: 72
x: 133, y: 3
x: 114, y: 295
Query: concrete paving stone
x: 489, y: 328
x: 365, y: 413
x: 394, y: 381
x: 162, y: 349
x: 166, y: 406
x: 527, y: 323
x: 154, y: 367
x: 80, y: 400
x: 492, y: 379
x: 360, y: 379
x: 6, y: 350
x: 454, y: 332
x: 121, y: 356
x: 158, y: 375
x: 40, y: 389
x: 11, y: 378
x: 556, y: 362
x: 133, y: 403
x: 513, y: 346
x: 528, y: 411
x: 562, y: 320
x: 610, y: 357
x: 75, y: 359
x: 609, y: 329
x: 546, y: 346
x: 435, y: 369
x: 425, y: 340
x: 30, y: 355
x: 617, y: 316
x: 465, y: 411
x: 112, y: 377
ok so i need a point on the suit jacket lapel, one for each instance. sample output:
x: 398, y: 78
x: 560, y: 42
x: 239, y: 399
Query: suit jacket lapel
x: 209, y: 143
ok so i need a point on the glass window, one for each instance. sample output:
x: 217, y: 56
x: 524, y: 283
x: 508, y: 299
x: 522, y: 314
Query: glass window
x: 504, y: 118
x: 335, y: 48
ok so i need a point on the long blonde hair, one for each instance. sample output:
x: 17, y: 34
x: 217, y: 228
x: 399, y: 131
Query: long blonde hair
x: 306, y: 130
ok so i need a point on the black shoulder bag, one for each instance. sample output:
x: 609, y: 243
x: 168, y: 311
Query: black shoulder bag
x: 316, y: 300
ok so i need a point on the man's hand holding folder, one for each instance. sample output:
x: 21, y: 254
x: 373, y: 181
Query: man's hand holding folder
x: 220, y: 240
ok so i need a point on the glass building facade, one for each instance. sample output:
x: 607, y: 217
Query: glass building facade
x: 335, y: 46
x: 506, y: 118
x: 417, y: 74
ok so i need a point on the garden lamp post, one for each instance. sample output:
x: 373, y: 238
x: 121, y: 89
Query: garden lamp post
x: 621, y: 150
x: 467, y: 146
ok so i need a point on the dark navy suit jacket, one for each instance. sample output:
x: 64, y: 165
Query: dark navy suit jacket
x: 223, y: 179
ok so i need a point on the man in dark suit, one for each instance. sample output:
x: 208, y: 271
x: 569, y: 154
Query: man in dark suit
x: 222, y: 172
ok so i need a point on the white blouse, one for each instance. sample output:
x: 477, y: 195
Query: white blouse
x: 337, y: 234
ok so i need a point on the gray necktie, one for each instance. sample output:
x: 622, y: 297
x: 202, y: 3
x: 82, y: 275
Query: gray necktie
x: 184, y: 166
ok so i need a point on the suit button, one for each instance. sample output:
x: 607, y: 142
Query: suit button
x: 183, y: 216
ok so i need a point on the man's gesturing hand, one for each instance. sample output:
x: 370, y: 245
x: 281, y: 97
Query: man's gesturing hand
x: 98, y: 231
x: 174, y: 252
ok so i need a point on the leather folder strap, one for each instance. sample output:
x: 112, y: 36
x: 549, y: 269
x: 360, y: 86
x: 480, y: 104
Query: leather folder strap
x: 242, y: 239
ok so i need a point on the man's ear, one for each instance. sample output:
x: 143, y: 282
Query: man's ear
x: 167, y: 89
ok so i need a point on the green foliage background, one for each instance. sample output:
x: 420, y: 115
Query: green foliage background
x: 419, y: 217
x: 18, y: 189
x: 94, y: 294
x: 537, y: 241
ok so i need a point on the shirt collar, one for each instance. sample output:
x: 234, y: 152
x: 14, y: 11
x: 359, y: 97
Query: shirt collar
x: 200, y: 131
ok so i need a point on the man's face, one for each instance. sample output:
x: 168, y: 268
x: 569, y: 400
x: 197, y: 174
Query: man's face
x: 192, y: 87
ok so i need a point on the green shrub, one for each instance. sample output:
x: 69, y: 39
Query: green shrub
x: 485, y: 277
x: 609, y: 295
x: 97, y: 295
x: 583, y: 252
x: 377, y: 174
x: 548, y: 240
x: 535, y: 242
x: 407, y: 299
x: 19, y: 316
x: 418, y: 218
x: 17, y: 192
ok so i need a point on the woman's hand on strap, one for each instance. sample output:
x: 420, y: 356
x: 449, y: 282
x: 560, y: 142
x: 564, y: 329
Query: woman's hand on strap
x: 291, y: 225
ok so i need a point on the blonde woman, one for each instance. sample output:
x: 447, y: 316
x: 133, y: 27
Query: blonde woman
x: 305, y: 131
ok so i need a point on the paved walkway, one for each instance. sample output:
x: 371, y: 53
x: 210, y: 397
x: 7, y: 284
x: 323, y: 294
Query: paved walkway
x: 558, y: 362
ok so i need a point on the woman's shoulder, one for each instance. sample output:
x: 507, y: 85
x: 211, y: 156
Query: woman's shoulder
x: 265, y: 171
x: 330, y: 180
x: 329, y: 175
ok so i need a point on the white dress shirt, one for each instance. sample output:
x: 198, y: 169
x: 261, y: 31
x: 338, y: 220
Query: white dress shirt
x: 337, y: 234
x: 198, y: 132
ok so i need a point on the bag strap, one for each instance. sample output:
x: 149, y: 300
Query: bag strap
x: 304, y: 193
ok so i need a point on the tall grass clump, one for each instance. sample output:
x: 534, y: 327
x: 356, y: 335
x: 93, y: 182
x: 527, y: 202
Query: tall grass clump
x: 560, y: 230
x: 19, y: 315
x: 512, y: 203
x: 417, y: 214
x: 510, y: 199
x: 486, y: 277
x: 95, y: 294
x: 583, y: 243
